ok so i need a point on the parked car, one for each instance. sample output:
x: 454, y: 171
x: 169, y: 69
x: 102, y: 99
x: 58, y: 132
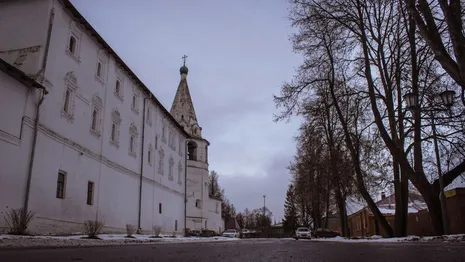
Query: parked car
x: 193, y: 233
x: 325, y: 232
x: 231, y: 233
x: 303, y: 232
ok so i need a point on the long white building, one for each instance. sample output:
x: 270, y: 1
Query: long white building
x: 82, y: 138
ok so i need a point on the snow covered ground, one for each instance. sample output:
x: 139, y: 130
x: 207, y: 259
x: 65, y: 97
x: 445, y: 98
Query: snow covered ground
x: 10, y: 241
x: 377, y: 239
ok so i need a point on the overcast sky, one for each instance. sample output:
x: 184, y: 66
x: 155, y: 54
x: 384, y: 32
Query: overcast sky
x: 238, y: 56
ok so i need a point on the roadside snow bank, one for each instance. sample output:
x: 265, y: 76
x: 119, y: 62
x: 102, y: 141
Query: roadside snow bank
x: 377, y: 239
x: 10, y: 241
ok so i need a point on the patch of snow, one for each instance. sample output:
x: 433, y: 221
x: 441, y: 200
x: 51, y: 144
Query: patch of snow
x: 11, y: 241
x: 376, y: 239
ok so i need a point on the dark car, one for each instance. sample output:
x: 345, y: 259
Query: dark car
x: 325, y: 232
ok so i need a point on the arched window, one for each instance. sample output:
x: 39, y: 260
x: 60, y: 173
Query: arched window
x: 192, y: 150
x: 72, y: 45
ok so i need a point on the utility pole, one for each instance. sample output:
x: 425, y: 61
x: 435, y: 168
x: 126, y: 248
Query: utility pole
x: 264, y: 206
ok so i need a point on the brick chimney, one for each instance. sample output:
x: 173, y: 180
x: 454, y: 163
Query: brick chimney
x: 383, y: 195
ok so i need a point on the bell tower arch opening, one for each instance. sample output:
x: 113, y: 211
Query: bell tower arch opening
x: 192, y: 150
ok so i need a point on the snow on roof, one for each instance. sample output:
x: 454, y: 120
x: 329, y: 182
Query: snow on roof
x: 387, y: 205
x: 459, y: 182
x: 353, y: 205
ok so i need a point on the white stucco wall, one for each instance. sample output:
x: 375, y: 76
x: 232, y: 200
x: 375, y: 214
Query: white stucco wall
x: 20, y: 44
x: 17, y: 101
x: 67, y: 144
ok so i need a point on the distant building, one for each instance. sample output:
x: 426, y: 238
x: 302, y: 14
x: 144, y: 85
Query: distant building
x: 363, y: 224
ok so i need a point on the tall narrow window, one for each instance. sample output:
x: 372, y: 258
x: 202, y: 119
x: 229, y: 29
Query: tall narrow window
x: 113, y: 132
x: 131, y: 144
x: 90, y: 193
x: 72, y: 45
x: 180, y: 173
x: 61, y: 185
x: 159, y: 208
x: 149, y: 156
x: 116, y: 120
x: 170, y: 171
x: 149, y: 115
x: 156, y: 142
x: 94, y: 119
x: 133, y: 101
x: 175, y: 225
x: 133, y: 135
x: 66, y: 106
x: 99, y: 69
x: 117, y: 87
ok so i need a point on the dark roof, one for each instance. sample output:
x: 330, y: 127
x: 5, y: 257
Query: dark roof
x: 19, y: 75
x: 70, y: 7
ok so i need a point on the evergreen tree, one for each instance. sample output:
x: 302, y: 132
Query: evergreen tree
x: 290, y: 210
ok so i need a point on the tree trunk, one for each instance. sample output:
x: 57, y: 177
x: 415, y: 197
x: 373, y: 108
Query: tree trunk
x: 401, y: 199
x: 405, y: 199
x: 431, y: 197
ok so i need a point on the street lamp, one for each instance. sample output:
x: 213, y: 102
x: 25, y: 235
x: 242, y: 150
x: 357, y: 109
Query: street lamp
x: 447, y: 98
x: 411, y: 99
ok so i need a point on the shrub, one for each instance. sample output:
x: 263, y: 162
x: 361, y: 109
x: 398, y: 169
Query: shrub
x: 93, y: 227
x: 156, y: 231
x: 17, y: 221
x: 130, y: 230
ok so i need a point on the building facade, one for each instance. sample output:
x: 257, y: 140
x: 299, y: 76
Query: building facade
x: 363, y: 224
x: 105, y: 148
x: 203, y: 212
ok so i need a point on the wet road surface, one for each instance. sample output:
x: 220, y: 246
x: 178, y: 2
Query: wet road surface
x: 247, y: 250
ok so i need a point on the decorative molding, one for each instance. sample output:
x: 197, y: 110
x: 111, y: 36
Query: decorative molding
x: 9, y: 138
x: 161, y: 161
x: 133, y: 129
x: 83, y: 98
x: 170, y: 170
x: 116, y: 116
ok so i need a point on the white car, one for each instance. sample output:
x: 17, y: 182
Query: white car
x: 231, y: 233
x: 303, y: 232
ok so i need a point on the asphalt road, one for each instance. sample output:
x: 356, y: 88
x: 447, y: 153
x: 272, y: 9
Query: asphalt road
x: 248, y: 250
